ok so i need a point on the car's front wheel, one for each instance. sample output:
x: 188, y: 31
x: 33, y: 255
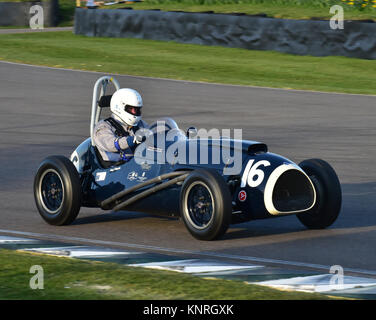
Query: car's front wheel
x: 57, y: 190
x: 205, y: 204
x: 328, y: 194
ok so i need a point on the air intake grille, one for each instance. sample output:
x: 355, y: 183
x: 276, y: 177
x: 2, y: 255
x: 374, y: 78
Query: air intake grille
x: 292, y: 192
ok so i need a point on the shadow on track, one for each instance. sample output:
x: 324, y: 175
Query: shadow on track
x: 116, y: 216
x: 357, y: 215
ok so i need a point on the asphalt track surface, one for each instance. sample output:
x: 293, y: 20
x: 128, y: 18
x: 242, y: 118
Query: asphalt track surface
x: 27, y: 30
x: 46, y: 111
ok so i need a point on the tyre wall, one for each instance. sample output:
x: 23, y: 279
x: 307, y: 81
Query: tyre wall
x: 18, y: 13
x: 303, y: 37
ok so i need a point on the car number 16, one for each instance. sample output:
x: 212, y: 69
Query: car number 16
x: 252, y: 174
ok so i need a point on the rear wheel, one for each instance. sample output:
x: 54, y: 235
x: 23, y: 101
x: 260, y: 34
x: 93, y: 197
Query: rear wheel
x: 205, y: 204
x: 328, y: 194
x: 57, y: 190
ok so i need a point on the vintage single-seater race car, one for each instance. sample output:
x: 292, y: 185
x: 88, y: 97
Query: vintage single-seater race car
x: 205, y: 194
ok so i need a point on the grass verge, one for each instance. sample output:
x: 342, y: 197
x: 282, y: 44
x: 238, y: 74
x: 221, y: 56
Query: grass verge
x: 66, y: 278
x: 190, y: 62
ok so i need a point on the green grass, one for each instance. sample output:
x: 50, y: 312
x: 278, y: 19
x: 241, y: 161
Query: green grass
x: 190, y: 62
x: 66, y: 278
x: 289, y: 9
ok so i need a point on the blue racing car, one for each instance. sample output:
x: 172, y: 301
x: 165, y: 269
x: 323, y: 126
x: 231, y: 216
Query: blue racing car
x: 208, y: 182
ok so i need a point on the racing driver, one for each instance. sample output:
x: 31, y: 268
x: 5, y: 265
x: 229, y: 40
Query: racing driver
x: 115, y: 137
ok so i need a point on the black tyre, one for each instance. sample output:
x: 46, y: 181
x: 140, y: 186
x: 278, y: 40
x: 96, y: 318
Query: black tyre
x: 328, y: 194
x: 57, y: 190
x: 205, y: 204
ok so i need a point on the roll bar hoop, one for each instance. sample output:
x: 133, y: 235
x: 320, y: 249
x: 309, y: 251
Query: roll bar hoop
x: 101, y: 87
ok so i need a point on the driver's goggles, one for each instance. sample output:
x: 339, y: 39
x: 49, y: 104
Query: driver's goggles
x: 135, y: 111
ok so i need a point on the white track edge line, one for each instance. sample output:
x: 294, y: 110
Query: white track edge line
x: 183, y: 251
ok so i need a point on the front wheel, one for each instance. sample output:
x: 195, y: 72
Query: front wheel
x: 57, y: 190
x: 205, y: 204
x: 328, y: 194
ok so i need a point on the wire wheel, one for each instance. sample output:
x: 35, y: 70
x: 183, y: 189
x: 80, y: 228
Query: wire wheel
x: 57, y: 190
x: 199, y: 205
x: 205, y: 204
x: 51, y: 191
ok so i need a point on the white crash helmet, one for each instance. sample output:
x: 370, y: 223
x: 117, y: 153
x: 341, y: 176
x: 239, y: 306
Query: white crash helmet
x: 126, y: 105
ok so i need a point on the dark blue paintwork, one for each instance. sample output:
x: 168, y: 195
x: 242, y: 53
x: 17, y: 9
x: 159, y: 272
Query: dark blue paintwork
x: 101, y: 183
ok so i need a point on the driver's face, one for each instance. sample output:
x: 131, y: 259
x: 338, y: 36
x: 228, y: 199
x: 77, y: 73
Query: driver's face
x: 136, y: 111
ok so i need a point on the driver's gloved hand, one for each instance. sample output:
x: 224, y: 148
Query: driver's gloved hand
x: 131, y: 142
x: 141, y: 135
x: 139, y: 139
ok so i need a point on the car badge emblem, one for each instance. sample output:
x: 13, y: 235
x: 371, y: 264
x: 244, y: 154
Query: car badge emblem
x: 132, y: 175
x: 242, y: 196
x: 145, y: 166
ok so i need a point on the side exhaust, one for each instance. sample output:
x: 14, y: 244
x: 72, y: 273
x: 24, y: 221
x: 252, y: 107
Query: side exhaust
x: 117, y: 203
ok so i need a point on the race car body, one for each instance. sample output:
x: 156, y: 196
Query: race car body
x: 208, y: 183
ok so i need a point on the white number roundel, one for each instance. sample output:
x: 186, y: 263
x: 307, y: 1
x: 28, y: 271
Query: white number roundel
x: 253, y: 176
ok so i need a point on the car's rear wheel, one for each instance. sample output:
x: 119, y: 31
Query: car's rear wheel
x: 205, y: 204
x: 57, y: 190
x: 328, y: 194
